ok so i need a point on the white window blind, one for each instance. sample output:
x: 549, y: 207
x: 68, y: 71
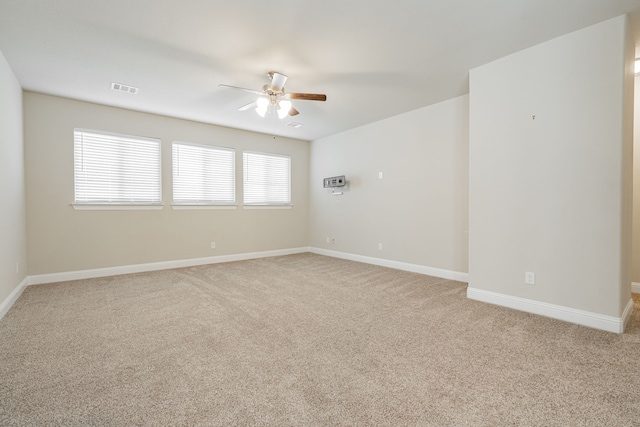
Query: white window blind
x: 203, y: 174
x: 116, y: 169
x: 267, y: 179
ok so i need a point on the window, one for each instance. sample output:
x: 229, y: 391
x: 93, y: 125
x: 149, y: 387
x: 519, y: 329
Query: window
x: 267, y: 179
x: 111, y: 169
x: 203, y: 175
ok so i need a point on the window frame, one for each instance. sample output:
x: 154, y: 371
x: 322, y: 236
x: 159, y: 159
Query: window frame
x: 183, y: 204
x: 265, y: 204
x: 118, y: 203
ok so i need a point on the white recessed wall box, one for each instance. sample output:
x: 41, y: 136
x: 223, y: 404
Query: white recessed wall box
x: 336, y: 184
x: 335, y: 181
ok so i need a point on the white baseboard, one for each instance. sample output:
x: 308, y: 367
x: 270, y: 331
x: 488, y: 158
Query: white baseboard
x: 13, y: 297
x: 40, y: 279
x: 154, y: 266
x: 165, y: 265
x: 580, y: 317
x: 635, y: 287
x: 414, y: 268
x: 626, y: 314
x: 594, y: 320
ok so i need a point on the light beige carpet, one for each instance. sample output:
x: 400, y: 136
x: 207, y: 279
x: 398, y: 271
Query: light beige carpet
x: 303, y: 340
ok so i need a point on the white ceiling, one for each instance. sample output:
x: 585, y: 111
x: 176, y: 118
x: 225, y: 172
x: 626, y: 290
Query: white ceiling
x: 373, y: 58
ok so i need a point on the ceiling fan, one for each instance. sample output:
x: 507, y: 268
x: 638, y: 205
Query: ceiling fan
x: 274, y: 100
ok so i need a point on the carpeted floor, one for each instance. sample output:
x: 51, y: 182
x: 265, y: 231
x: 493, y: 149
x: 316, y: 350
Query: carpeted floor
x: 303, y: 340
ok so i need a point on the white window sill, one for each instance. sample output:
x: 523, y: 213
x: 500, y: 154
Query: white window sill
x: 267, y: 206
x: 180, y: 207
x: 114, y: 207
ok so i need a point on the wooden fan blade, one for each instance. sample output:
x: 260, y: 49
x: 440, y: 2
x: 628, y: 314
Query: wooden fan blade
x: 307, y: 96
x: 293, y: 112
x: 257, y: 92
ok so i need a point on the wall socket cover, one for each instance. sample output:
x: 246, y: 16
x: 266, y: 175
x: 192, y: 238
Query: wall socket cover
x: 529, y: 278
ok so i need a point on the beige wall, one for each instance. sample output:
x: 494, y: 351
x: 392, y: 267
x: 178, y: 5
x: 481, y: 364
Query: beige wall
x: 418, y: 210
x: 62, y: 239
x: 628, y: 103
x: 13, y: 232
x: 551, y: 195
x: 635, y: 260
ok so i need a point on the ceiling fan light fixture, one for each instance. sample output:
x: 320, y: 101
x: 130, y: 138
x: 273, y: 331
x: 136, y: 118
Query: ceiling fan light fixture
x: 263, y: 105
x: 273, y: 100
x: 283, y: 109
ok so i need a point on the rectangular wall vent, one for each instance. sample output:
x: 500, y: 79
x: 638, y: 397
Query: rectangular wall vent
x: 124, y: 88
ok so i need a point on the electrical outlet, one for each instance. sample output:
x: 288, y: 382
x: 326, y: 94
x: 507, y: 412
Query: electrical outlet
x: 379, y: 246
x: 213, y: 245
x: 328, y: 239
x: 379, y: 175
x: 529, y: 278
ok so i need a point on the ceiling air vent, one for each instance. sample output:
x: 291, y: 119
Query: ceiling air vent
x: 124, y: 88
x: 294, y: 125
